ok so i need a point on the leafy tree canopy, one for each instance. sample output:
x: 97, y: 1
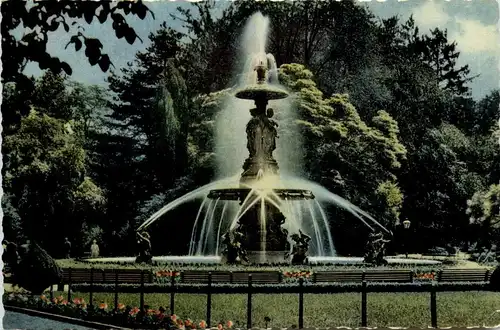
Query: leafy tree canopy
x: 44, y: 17
x: 45, y: 171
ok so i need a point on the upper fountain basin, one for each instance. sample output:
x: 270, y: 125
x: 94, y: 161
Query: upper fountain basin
x: 261, y: 91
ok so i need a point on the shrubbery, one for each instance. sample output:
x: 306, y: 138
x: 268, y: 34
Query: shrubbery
x: 290, y: 287
x: 495, y: 279
x: 37, y: 270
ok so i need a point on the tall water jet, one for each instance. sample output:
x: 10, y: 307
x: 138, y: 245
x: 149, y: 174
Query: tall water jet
x: 230, y: 147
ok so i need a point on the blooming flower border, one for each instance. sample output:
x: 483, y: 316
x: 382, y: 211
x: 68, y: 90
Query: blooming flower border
x: 121, y: 316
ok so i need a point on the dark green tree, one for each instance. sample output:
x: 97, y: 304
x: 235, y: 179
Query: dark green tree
x: 152, y: 101
x: 487, y: 113
x: 442, y: 56
x: 47, y: 16
x: 45, y: 172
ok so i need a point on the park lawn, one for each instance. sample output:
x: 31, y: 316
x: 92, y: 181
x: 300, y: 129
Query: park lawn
x: 327, y: 310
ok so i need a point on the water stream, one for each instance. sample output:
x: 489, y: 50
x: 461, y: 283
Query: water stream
x: 218, y: 216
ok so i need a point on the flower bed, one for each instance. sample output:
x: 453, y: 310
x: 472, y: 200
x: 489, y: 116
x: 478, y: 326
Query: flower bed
x: 424, y: 276
x: 123, y: 316
x: 294, y: 276
x: 165, y: 276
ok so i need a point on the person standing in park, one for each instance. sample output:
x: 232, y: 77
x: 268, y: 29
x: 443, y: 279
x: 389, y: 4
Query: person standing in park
x: 25, y: 248
x: 94, y: 250
x: 67, y: 248
x: 11, y: 256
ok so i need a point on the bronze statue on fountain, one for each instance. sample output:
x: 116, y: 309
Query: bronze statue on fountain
x: 375, y: 249
x: 300, y: 248
x: 234, y: 251
x: 144, y: 247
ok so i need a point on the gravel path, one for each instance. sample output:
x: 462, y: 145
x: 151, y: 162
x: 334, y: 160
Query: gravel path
x: 14, y: 320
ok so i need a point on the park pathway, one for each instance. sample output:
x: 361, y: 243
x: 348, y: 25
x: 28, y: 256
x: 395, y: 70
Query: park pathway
x: 14, y: 320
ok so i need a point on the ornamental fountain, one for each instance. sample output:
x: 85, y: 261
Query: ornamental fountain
x: 260, y: 220
x: 262, y: 209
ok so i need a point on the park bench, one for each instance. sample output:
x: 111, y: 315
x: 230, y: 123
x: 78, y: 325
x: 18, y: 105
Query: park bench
x: 355, y: 276
x: 463, y: 275
x: 201, y: 276
x: 258, y: 277
x: 106, y: 276
x: 389, y: 275
x: 338, y: 276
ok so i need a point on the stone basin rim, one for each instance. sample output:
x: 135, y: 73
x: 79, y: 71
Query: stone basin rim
x: 238, y: 193
x: 256, y: 91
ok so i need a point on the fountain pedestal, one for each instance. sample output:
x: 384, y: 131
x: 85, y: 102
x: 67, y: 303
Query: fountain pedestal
x: 261, y: 142
x: 261, y: 226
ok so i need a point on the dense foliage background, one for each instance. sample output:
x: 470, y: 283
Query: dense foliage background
x: 385, y: 113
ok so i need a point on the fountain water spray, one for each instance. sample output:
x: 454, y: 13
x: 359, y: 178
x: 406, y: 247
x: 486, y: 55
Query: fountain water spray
x: 263, y: 203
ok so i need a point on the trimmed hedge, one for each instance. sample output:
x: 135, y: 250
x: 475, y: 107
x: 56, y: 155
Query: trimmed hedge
x: 286, y: 287
x: 216, y: 267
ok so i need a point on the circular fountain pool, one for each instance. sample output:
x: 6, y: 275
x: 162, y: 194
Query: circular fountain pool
x: 313, y: 260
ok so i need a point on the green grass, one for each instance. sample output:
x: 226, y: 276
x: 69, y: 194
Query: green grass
x: 328, y: 310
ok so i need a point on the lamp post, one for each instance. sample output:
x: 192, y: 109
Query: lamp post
x: 406, y: 226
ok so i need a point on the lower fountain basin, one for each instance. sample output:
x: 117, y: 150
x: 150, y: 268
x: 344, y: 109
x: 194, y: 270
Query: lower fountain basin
x: 241, y: 193
x: 213, y: 260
